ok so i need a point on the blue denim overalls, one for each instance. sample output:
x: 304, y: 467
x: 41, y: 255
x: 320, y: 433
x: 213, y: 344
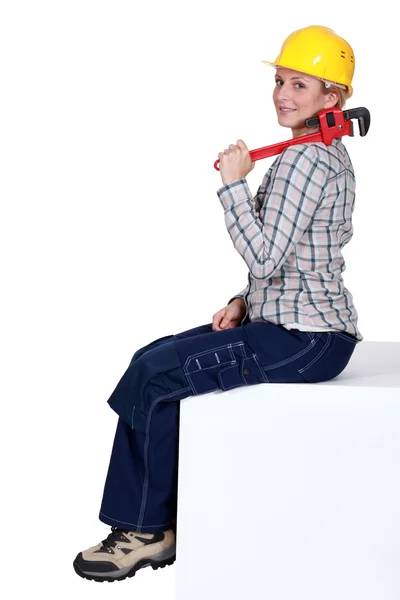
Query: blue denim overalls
x: 140, y: 492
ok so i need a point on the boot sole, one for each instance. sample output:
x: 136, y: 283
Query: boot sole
x: 127, y: 572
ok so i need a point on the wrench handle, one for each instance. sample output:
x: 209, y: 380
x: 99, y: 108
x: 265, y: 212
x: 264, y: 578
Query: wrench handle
x: 273, y: 149
x: 333, y: 123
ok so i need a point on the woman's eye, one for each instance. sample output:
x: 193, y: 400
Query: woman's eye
x: 278, y: 81
x: 300, y: 84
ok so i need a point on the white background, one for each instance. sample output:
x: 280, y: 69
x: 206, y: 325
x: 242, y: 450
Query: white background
x: 112, y: 234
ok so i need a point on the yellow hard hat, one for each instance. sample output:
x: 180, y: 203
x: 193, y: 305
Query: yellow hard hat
x: 320, y: 52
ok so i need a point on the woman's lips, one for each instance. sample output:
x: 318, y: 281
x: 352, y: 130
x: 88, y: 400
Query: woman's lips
x: 285, y: 111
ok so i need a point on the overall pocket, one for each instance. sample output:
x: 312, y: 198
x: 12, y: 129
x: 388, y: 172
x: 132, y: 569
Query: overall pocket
x: 331, y: 360
x: 224, y: 368
x: 246, y: 371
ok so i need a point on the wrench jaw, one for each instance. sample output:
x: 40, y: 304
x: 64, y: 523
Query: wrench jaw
x: 362, y: 114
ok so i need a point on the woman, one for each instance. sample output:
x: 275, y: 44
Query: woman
x: 294, y: 322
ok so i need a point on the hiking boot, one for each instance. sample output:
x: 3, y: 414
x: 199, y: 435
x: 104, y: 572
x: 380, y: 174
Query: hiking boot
x: 123, y: 553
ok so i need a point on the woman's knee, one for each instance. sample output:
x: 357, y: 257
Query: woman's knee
x: 202, y: 329
x: 150, y: 346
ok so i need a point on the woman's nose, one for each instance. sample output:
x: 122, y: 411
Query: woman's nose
x: 282, y: 92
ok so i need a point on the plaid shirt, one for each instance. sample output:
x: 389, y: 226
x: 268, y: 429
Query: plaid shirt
x: 290, y: 236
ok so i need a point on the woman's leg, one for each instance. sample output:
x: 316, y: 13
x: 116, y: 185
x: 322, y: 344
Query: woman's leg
x: 128, y: 463
x: 142, y: 475
x: 137, y: 462
x: 141, y: 485
x: 141, y: 489
x: 167, y: 338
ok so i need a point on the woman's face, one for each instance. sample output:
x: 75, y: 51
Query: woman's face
x: 303, y: 95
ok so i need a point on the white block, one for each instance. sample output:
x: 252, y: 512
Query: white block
x: 292, y: 491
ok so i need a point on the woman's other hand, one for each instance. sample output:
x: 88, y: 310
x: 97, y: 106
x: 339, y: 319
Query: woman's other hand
x: 230, y: 316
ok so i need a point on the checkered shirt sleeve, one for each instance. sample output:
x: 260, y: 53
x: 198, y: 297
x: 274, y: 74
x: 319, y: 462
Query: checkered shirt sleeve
x: 293, y: 198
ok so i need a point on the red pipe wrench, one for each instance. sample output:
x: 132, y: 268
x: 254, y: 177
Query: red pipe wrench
x: 333, y: 123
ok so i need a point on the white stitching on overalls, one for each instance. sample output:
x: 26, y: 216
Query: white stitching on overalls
x: 224, y: 347
x: 264, y: 375
x: 231, y: 353
x: 292, y: 358
x: 133, y: 524
x: 328, y: 341
x: 221, y: 380
x: 210, y: 351
x: 344, y: 337
x: 146, y: 447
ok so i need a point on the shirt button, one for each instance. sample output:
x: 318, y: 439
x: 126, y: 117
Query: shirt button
x: 246, y: 371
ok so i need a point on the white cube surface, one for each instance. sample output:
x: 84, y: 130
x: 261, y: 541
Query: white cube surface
x: 292, y: 491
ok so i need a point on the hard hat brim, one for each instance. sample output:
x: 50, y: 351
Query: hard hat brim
x: 349, y: 91
x: 269, y: 63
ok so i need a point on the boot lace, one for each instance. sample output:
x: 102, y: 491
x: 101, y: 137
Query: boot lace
x: 113, y: 537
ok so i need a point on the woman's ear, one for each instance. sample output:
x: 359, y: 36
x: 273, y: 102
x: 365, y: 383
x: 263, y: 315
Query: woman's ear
x: 332, y: 98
